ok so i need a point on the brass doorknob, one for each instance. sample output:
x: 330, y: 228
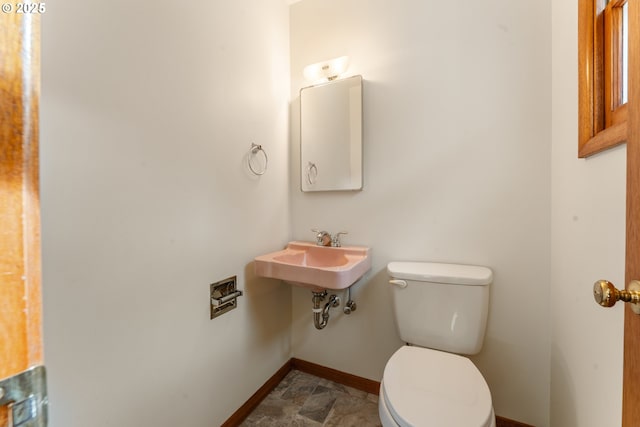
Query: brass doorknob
x: 606, y: 294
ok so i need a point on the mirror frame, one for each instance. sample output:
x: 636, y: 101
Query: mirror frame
x: 352, y: 175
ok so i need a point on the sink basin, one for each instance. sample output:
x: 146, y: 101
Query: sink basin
x: 315, y: 267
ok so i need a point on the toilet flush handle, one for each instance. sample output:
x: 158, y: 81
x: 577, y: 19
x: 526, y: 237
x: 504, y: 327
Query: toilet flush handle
x: 400, y: 283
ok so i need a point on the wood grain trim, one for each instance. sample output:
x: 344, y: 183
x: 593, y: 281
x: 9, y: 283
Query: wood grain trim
x: 594, y: 135
x: 336, y: 376
x: 631, y: 369
x: 614, y: 108
x: 598, y: 75
x: 243, y: 412
x: 20, y: 305
x: 586, y: 64
x: 608, y: 138
x: 619, y: 115
x: 20, y: 301
x: 505, y: 422
x: 610, y: 66
x: 32, y: 249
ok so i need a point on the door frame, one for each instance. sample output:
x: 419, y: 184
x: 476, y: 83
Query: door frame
x: 631, y: 369
x: 20, y: 264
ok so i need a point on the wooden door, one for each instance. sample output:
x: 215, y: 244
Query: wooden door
x: 631, y: 372
x: 20, y: 300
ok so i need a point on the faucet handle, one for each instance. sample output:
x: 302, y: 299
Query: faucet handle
x: 335, y: 241
x: 323, y: 238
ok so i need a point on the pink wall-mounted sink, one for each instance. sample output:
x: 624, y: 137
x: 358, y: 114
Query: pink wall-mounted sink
x: 315, y: 267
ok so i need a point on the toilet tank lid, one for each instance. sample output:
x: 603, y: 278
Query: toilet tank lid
x: 457, y: 274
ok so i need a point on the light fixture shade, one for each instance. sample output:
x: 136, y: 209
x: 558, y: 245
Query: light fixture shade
x: 326, y: 70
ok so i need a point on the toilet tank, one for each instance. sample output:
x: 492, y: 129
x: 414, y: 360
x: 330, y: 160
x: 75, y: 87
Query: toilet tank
x: 441, y: 306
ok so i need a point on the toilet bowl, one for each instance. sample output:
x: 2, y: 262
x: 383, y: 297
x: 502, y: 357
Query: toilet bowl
x: 423, y: 388
x: 441, y: 312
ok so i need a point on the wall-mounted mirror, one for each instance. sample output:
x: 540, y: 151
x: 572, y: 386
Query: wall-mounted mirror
x: 331, y: 136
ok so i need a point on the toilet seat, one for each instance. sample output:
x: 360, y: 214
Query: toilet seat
x: 424, y: 387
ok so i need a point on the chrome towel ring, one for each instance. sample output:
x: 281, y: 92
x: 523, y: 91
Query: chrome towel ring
x: 255, y: 165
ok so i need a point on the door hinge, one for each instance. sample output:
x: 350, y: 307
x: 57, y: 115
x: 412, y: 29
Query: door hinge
x: 26, y: 396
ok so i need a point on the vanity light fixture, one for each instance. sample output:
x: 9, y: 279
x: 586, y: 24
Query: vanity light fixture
x: 326, y: 70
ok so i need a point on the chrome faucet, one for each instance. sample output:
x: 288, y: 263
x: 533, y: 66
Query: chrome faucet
x: 335, y: 240
x: 323, y: 238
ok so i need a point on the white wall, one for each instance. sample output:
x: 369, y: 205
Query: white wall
x: 147, y: 113
x: 148, y: 110
x: 457, y: 169
x: 588, y: 235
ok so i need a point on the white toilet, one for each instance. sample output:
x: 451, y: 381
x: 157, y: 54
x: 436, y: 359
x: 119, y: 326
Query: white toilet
x: 441, y: 311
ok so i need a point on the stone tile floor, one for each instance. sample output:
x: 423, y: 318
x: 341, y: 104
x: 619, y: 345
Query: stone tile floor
x: 305, y: 400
